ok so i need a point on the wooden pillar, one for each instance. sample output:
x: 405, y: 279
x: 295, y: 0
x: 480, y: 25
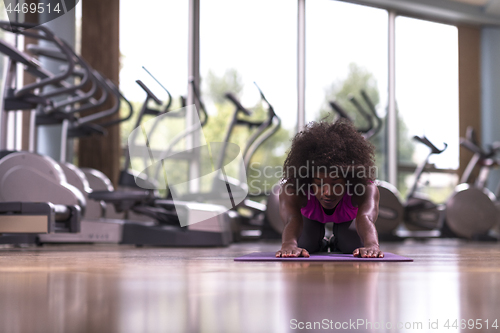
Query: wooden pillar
x: 100, y: 48
x: 469, y: 78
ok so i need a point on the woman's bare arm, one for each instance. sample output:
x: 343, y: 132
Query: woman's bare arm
x: 290, y: 204
x: 365, y: 222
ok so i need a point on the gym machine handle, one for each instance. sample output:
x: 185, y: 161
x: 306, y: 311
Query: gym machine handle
x: 17, y: 55
x: 369, y: 102
x: 99, y: 115
x: 341, y: 112
x: 46, y: 52
x: 105, y: 90
x: 32, y: 66
x: 85, y: 73
x: 96, y: 79
x: 189, y: 130
x: 198, y: 97
x: 363, y: 112
x: 264, y: 132
x: 129, y: 105
x: 78, y: 96
x: 270, y: 107
x: 472, y: 147
x: 425, y: 141
x: 21, y: 28
x: 470, y: 142
x: 169, y: 103
x: 61, y: 54
x: 240, y: 107
x: 149, y: 92
x: 470, y: 137
x: 470, y: 134
x: 92, y: 102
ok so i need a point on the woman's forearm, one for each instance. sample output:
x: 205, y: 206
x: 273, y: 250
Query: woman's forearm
x: 292, y: 230
x: 365, y: 227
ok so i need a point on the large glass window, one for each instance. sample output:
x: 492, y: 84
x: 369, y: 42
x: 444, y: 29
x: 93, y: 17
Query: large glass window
x: 154, y: 39
x: 346, y: 52
x: 427, y: 101
x: 242, y: 43
x: 153, y: 35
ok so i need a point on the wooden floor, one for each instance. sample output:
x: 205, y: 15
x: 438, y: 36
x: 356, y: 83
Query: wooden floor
x: 110, y: 288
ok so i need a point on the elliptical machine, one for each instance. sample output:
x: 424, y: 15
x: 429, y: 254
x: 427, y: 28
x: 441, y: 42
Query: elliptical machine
x: 252, y: 218
x: 63, y: 105
x: 213, y: 232
x: 51, y: 205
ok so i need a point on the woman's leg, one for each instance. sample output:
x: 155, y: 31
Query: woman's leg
x: 312, y: 235
x: 346, y: 238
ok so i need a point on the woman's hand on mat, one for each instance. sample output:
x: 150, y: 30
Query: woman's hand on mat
x: 368, y: 252
x: 288, y: 251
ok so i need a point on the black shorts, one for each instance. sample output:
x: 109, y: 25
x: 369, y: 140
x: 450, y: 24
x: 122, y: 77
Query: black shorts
x: 345, y: 240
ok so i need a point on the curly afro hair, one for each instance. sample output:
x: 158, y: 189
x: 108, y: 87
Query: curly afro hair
x: 336, y: 148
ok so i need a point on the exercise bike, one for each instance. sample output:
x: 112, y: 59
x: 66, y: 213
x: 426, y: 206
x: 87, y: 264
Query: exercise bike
x: 471, y: 210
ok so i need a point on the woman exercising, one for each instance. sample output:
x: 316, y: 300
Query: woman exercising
x: 328, y: 177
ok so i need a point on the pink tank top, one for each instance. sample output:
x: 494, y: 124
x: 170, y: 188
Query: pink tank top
x: 344, y: 212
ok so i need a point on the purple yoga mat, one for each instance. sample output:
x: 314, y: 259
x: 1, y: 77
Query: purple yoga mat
x: 271, y: 256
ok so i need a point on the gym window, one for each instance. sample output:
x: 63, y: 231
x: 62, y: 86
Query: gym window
x: 342, y: 58
x: 242, y: 43
x: 342, y: 39
x: 427, y: 102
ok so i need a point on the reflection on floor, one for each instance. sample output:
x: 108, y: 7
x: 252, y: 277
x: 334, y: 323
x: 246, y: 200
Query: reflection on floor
x: 110, y: 288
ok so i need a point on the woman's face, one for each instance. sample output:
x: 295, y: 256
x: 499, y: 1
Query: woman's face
x: 329, y: 191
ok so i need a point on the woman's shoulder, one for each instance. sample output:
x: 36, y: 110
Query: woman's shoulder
x: 362, y: 193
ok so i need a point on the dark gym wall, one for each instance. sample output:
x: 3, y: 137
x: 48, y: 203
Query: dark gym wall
x: 100, y: 48
x: 469, y: 82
